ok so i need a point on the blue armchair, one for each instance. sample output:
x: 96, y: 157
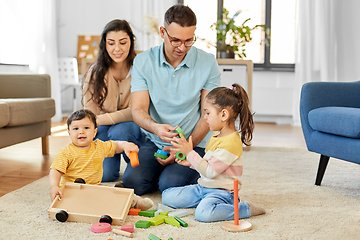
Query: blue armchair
x: 330, y: 119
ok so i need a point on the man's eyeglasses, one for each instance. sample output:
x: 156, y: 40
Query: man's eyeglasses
x: 177, y: 42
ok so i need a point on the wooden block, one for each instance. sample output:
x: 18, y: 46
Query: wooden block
x: 134, y: 211
x: 164, y: 208
x: 181, y: 213
x: 128, y: 228
x: 148, y: 213
x: 134, y: 159
x: 172, y: 221
x: 157, y: 212
x: 153, y: 237
x: 182, y: 222
x: 157, y: 220
x: 165, y: 213
x: 123, y: 233
x: 142, y: 224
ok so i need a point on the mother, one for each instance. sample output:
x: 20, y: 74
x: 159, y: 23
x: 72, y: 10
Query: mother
x: 106, y: 91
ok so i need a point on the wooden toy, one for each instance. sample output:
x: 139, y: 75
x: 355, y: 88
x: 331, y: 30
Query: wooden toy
x: 80, y: 180
x: 236, y: 225
x: 180, y: 131
x: 91, y: 203
x: 148, y: 213
x: 101, y: 227
x: 158, y: 212
x: 157, y: 220
x: 172, y: 221
x: 127, y: 228
x: 164, y: 208
x: 153, y: 237
x: 180, y: 213
x: 134, y: 159
x: 142, y: 224
x: 180, y: 156
x: 182, y: 222
x: 165, y: 213
x: 123, y: 233
x: 134, y: 211
x: 161, y: 154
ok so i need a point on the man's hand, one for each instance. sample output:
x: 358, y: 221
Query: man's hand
x: 165, y: 132
x: 170, y: 159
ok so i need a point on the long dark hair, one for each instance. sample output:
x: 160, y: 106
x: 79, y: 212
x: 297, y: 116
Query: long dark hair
x: 103, y: 61
x: 237, y: 99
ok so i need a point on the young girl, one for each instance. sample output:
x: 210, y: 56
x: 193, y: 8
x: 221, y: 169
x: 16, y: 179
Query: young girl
x: 222, y: 163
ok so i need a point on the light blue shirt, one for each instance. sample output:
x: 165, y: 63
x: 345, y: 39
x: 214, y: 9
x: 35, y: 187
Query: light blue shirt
x: 175, y: 94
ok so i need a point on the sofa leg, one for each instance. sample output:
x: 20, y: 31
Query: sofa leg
x: 321, y: 170
x: 45, y: 145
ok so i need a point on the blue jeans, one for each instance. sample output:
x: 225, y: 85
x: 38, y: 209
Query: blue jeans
x: 211, y: 204
x: 124, y: 131
x: 150, y: 175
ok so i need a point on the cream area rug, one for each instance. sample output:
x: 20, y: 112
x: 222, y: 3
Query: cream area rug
x: 278, y: 179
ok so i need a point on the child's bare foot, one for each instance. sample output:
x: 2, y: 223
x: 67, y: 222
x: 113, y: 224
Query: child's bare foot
x: 255, y: 210
x: 144, y: 204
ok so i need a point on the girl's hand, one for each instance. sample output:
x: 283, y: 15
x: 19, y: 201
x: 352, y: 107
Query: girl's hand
x: 54, y: 191
x: 183, y: 162
x: 181, y: 145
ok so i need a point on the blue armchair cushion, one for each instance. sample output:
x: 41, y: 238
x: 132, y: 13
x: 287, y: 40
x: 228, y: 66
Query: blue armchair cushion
x: 342, y: 121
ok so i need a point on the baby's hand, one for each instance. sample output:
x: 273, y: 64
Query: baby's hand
x: 54, y: 191
x: 129, y: 147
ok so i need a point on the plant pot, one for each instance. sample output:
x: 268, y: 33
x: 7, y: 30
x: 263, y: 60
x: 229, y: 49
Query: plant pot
x: 227, y: 54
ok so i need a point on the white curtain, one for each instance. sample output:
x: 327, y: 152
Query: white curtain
x: 327, y: 47
x: 29, y: 37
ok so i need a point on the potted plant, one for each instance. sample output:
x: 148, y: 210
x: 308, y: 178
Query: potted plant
x: 231, y: 38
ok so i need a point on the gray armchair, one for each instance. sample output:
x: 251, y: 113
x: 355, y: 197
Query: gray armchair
x: 26, y: 109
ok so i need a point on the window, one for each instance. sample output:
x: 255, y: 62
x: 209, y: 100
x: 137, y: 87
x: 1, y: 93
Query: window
x: 277, y: 15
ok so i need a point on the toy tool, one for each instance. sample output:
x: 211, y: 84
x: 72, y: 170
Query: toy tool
x: 180, y: 156
x: 123, y: 233
x: 236, y: 225
x: 134, y: 159
x: 180, y: 131
x: 161, y: 154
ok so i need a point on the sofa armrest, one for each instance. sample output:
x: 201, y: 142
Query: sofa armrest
x: 25, y: 85
x: 325, y: 94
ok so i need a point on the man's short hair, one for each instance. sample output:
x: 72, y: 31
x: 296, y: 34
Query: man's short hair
x: 180, y: 14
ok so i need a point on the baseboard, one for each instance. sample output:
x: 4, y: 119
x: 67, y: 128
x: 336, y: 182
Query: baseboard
x: 278, y: 119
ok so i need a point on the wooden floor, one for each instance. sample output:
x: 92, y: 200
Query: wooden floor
x: 24, y: 163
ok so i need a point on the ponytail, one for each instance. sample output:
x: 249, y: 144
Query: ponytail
x: 237, y: 99
x: 242, y: 109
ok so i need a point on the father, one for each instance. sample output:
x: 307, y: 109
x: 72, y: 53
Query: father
x: 169, y: 85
